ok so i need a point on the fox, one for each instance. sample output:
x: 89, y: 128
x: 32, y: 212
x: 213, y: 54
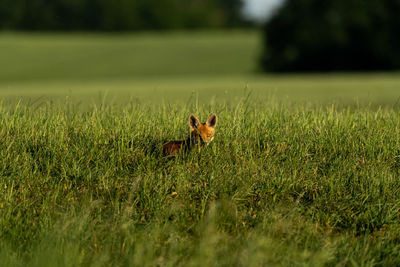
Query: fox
x: 200, y: 134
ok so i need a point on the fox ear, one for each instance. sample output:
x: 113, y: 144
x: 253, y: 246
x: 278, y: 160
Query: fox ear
x: 193, y: 122
x: 212, y: 121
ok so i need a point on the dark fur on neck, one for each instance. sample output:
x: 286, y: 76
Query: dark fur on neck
x: 173, y: 147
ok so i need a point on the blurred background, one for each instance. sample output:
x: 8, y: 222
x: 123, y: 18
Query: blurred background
x: 169, y: 50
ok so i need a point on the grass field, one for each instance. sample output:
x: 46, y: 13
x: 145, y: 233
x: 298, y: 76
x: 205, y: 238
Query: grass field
x: 171, y: 67
x: 304, y: 169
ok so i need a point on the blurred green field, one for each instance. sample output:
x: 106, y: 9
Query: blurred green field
x: 170, y: 67
x: 110, y: 57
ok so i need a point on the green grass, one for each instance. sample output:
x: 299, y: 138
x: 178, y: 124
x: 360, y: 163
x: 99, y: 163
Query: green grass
x: 303, y: 170
x: 168, y: 67
x: 80, y: 57
x: 309, y: 186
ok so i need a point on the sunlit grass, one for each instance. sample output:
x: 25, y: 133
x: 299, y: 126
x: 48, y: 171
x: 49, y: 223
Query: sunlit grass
x: 303, y: 170
x: 281, y: 184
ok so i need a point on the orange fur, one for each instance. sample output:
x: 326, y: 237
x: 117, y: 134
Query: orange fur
x: 200, y: 134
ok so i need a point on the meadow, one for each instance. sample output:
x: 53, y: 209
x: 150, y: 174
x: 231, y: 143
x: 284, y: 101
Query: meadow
x: 303, y: 170
x: 168, y: 67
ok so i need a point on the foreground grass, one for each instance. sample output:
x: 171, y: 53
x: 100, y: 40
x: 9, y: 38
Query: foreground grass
x: 281, y: 184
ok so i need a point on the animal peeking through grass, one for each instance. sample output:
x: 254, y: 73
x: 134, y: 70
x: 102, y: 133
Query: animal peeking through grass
x: 200, y: 134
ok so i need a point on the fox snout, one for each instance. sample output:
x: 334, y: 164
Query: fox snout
x: 203, y: 132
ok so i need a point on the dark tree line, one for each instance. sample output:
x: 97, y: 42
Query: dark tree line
x: 325, y: 35
x: 118, y: 15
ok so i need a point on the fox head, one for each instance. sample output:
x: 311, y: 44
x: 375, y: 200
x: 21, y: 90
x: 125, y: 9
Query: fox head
x: 202, y: 132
